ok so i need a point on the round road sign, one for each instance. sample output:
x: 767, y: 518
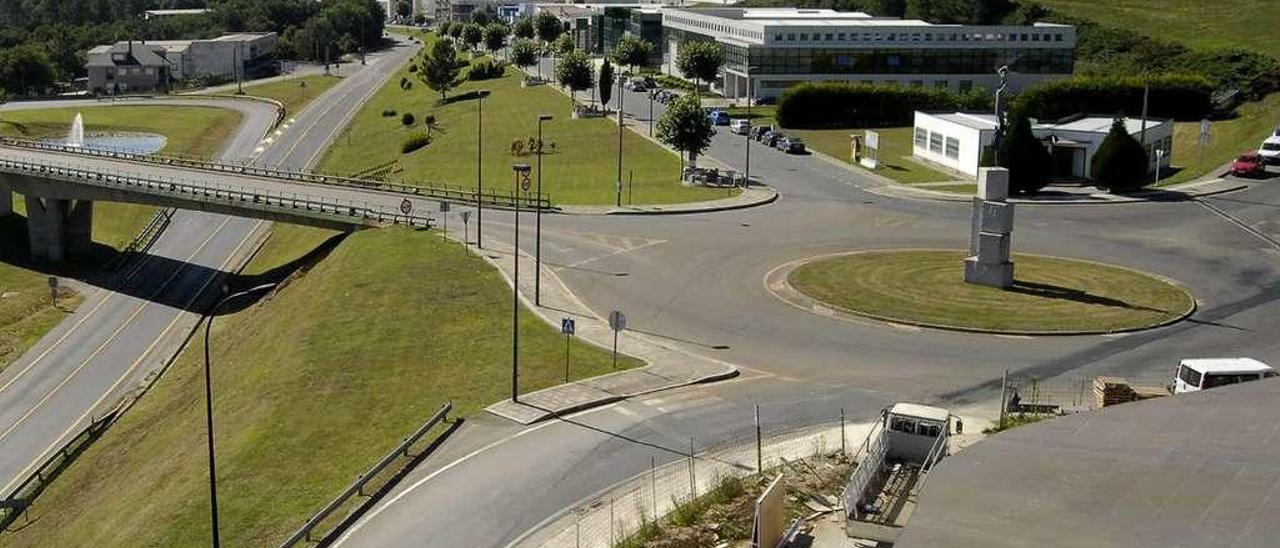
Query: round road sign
x: 524, y: 182
x: 406, y: 206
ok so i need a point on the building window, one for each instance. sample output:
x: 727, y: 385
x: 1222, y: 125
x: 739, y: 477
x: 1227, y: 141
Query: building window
x: 791, y: 37
x: 940, y: 84
x: 804, y: 37
x: 830, y: 37
x: 1035, y: 37
x: 935, y: 142
x: 777, y: 37
x: 1057, y: 38
x: 922, y: 137
x: 953, y: 148
x: 928, y: 37
x: 1024, y: 38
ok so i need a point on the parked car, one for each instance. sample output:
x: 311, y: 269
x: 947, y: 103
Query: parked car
x: 771, y: 138
x: 1248, y: 164
x: 794, y: 145
x: 719, y: 117
x: 740, y: 126
x: 758, y: 132
x: 636, y: 84
x: 1270, y: 150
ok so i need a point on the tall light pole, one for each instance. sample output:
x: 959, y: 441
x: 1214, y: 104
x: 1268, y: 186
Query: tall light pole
x: 521, y: 174
x: 746, y: 177
x: 480, y: 162
x: 651, y: 94
x: 537, y: 243
x: 208, y: 406
x: 621, y: 113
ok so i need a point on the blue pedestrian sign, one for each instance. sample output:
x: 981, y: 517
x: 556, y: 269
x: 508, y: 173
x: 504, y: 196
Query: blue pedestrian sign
x: 567, y: 326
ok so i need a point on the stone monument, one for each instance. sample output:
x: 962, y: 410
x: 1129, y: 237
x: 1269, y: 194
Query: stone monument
x: 989, y: 261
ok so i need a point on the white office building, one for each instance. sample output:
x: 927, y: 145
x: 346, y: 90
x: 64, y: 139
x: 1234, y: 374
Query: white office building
x: 786, y: 46
x: 957, y: 141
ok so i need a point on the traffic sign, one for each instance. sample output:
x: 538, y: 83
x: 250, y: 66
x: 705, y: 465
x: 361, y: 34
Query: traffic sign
x: 617, y: 321
x: 53, y: 282
x: 567, y: 326
x: 524, y: 181
x: 466, y: 216
x: 406, y: 206
x: 444, y: 206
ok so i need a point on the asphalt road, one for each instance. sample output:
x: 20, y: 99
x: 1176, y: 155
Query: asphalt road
x: 118, y: 338
x: 699, y: 280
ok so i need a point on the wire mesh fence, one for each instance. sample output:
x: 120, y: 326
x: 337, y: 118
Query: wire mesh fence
x: 611, y: 517
x: 1062, y: 394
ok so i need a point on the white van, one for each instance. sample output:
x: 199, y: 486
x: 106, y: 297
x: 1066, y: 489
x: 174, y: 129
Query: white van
x: 1270, y: 150
x: 1201, y: 374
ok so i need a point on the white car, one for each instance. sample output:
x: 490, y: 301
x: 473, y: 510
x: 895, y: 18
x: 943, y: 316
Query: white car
x: 1199, y: 374
x: 740, y: 126
x: 1270, y: 150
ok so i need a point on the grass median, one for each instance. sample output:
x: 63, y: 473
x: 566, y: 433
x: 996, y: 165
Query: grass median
x: 294, y: 93
x: 26, y: 311
x: 579, y: 167
x: 311, y: 387
x: 1049, y: 295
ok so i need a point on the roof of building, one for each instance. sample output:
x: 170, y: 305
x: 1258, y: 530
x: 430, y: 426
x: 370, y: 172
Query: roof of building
x: 1190, y: 470
x: 975, y: 120
x: 137, y: 54
x: 241, y: 37
x: 1233, y: 365
x: 167, y: 13
x: 791, y: 16
x: 920, y: 411
x: 1101, y: 124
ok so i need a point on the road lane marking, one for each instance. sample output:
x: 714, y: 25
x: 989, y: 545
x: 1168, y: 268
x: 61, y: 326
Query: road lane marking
x: 57, y: 442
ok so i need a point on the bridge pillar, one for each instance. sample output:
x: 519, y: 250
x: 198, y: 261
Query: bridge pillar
x: 59, y: 228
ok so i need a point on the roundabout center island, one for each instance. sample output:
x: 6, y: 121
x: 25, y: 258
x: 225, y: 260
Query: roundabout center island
x: 1049, y: 295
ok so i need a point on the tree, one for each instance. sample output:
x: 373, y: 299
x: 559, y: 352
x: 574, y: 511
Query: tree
x: 968, y: 12
x: 606, y: 82
x: 684, y: 127
x: 404, y: 8
x: 524, y: 28
x: 440, y: 69
x: 632, y: 51
x: 347, y: 43
x: 455, y: 30
x: 481, y: 17
x: 564, y: 45
x: 443, y: 28
x: 472, y: 35
x: 574, y: 73
x: 700, y: 61
x: 548, y: 26
x: 495, y: 36
x: 1025, y: 157
x: 524, y: 53
x: 1120, y: 163
x: 25, y: 70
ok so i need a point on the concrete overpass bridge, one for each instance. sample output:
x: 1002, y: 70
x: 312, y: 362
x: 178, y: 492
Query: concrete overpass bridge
x: 59, y: 185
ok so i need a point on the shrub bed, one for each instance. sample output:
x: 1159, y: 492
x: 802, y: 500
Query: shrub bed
x: 414, y: 141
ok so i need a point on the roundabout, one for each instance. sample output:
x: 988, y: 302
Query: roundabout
x: 1050, y: 295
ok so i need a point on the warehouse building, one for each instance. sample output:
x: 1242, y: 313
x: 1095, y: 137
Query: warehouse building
x: 786, y: 46
x: 144, y: 66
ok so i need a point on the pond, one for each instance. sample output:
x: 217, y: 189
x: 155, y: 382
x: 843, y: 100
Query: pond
x: 127, y: 142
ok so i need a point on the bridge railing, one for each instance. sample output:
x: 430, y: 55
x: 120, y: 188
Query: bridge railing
x: 255, y: 199
x: 439, y: 192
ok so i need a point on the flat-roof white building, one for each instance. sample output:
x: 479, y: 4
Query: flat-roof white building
x: 958, y: 141
x: 786, y: 46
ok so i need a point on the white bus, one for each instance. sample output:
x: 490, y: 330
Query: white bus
x: 1200, y: 374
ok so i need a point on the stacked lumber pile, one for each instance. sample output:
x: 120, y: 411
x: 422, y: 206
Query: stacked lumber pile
x: 1108, y: 391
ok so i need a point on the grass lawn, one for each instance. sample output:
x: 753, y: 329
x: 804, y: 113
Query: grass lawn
x: 580, y: 170
x: 294, y: 93
x: 311, y: 387
x: 1249, y: 24
x: 27, y: 314
x: 1049, y: 294
x: 895, y: 149
x: 1229, y: 138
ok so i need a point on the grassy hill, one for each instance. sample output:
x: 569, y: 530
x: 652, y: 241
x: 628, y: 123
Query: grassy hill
x: 310, y: 388
x: 1200, y: 24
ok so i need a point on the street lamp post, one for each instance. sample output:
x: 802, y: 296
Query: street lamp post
x: 208, y: 406
x: 537, y: 243
x: 746, y: 177
x: 480, y: 162
x: 651, y: 94
x: 521, y: 172
x: 621, y: 92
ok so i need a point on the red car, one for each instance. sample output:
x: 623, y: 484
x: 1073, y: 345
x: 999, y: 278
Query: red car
x: 1248, y: 164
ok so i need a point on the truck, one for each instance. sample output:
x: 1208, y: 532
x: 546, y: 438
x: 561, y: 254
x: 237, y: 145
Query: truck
x: 893, y: 464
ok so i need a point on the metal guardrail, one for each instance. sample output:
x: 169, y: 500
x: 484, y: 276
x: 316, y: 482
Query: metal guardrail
x: 935, y: 454
x: 304, y: 532
x: 260, y: 200
x: 16, y: 502
x: 454, y: 194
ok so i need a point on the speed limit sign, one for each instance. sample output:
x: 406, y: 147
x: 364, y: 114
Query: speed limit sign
x: 406, y: 206
x: 524, y: 182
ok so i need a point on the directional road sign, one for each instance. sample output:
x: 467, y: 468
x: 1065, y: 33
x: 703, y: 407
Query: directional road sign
x: 617, y: 320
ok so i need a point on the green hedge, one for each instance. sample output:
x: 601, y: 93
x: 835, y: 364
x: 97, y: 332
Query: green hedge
x: 1182, y: 97
x: 414, y: 141
x: 849, y: 105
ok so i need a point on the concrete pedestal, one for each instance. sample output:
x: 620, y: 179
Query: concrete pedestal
x: 991, y: 232
x: 59, y: 228
x: 998, y: 274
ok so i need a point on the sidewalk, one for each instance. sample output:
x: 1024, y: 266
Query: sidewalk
x: 668, y: 365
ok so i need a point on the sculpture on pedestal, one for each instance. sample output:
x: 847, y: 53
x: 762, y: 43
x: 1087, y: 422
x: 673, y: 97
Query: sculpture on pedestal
x: 991, y: 233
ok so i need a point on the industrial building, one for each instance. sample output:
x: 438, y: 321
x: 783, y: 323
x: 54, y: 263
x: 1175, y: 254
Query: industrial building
x: 770, y: 49
x: 144, y: 66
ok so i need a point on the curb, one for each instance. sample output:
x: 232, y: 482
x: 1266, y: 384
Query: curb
x: 771, y: 195
x: 804, y: 302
